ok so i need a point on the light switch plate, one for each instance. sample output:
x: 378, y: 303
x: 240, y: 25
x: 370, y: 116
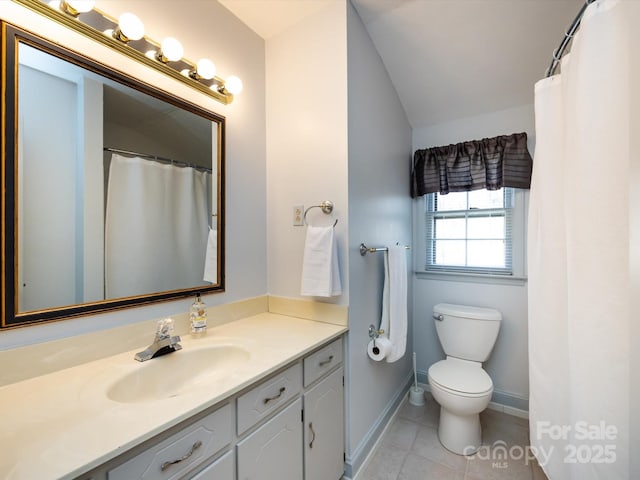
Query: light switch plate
x: 298, y: 215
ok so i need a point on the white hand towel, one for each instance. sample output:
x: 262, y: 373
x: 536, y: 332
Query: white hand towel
x: 320, y: 270
x: 394, y: 301
x: 210, y: 261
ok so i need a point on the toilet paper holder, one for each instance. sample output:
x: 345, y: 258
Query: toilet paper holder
x: 375, y: 333
x: 379, y: 346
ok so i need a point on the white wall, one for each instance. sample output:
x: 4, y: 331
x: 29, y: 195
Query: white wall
x: 306, y: 142
x: 508, y: 364
x: 379, y: 214
x: 206, y: 31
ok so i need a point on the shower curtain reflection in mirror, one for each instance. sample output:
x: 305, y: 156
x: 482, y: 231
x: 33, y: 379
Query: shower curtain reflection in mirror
x: 149, y: 249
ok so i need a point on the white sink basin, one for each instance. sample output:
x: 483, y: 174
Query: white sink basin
x: 176, y: 373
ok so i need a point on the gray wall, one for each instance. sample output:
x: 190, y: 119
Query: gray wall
x: 508, y: 364
x: 379, y: 214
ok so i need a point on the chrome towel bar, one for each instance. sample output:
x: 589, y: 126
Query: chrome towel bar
x: 364, y: 249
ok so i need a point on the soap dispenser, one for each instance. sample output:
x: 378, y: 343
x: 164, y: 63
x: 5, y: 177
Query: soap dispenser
x: 198, y: 317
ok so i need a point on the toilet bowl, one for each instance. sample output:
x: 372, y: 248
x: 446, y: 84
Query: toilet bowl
x: 459, y: 384
x: 462, y: 390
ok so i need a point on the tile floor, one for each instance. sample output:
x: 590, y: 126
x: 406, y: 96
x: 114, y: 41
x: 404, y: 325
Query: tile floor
x: 410, y: 449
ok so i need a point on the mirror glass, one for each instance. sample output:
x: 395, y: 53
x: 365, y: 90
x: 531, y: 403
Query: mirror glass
x: 113, y: 188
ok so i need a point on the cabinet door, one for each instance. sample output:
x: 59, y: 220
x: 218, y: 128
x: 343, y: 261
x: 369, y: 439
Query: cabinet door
x: 324, y: 429
x: 274, y: 451
x: 221, y: 469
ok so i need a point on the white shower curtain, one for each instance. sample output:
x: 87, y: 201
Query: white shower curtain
x: 156, y: 227
x: 579, y: 251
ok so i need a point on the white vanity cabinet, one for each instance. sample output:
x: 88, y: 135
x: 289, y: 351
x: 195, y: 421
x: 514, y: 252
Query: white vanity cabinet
x: 287, y: 426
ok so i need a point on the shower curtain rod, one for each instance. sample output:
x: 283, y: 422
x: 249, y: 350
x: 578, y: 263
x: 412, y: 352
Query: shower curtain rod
x: 158, y: 158
x: 557, y: 54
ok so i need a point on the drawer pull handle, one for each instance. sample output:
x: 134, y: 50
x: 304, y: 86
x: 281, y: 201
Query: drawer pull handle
x: 194, y: 447
x: 313, y: 439
x: 325, y: 362
x: 275, y: 397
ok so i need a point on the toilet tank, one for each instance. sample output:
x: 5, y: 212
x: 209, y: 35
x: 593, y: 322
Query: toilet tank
x: 467, y: 332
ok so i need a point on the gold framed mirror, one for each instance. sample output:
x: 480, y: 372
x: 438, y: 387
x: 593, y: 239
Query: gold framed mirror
x: 113, y: 190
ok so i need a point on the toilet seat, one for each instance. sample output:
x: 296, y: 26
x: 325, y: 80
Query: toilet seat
x: 460, y: 377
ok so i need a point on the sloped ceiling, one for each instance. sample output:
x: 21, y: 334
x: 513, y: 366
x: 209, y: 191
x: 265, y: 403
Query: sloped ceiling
x: 270, y: 17
x: 448, y: 59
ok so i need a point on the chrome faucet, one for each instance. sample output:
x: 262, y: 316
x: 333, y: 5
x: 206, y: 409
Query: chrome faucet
x: 163, y: 343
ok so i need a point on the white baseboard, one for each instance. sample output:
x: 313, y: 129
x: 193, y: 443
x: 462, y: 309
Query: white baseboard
x: 516, y: 412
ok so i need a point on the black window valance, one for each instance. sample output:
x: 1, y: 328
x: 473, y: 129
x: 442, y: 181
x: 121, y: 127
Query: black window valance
x: 490, y: 163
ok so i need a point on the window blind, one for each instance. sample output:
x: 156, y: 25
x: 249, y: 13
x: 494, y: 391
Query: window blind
x: 470, y: 232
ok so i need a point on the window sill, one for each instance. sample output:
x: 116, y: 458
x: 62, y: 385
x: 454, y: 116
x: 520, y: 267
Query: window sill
x: 471, y: 278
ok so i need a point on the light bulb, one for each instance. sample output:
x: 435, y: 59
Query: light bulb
x: 206, y: 69
x: 130, y: 26
x: 233, y: 85
x: 170, y: 51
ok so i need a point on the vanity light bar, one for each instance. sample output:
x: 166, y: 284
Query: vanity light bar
x: 94, y: 23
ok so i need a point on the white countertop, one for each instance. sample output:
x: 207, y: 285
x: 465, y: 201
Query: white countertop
x: 63, y: 424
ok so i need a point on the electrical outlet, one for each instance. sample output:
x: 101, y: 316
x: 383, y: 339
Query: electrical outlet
x: 298, y: 215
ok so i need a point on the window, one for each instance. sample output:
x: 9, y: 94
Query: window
x: 470, y: 232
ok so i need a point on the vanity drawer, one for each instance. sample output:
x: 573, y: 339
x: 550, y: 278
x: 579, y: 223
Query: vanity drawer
x: 267, y: 397
x: 172, y: 457
x: 322, y: 361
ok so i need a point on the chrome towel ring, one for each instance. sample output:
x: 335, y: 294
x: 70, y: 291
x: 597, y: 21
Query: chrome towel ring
x: 326, y: 207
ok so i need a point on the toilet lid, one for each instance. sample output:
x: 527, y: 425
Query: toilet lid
x: 460, y: 376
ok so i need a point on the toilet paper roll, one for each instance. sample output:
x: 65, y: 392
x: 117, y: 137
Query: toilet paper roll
x: 381, y: 349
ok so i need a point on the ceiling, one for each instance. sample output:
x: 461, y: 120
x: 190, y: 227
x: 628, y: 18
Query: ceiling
x: 448, y: 59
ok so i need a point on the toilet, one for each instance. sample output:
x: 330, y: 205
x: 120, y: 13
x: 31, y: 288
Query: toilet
x: 459, y: 384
